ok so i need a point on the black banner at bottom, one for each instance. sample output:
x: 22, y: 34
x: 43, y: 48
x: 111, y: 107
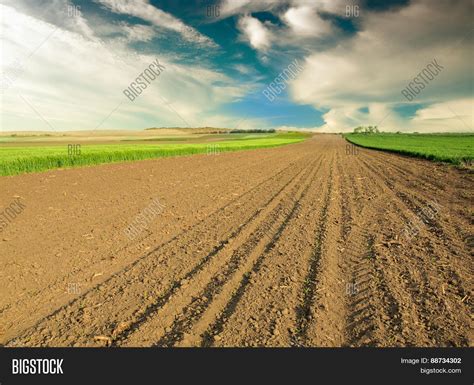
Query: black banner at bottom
x: 318, y: 365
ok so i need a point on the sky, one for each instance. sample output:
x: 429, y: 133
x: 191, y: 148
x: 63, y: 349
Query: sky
x: 319, y: 65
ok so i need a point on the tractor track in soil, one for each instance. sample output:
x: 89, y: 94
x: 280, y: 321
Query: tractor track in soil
x: 302, y: 245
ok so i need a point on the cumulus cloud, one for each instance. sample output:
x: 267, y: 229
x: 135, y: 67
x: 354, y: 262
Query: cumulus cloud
x: 76, y: 78
x: 302, y: 26
x: 391, y: 49
x: 304, y: 21
x: 359, y: 80
x: 256, y: 32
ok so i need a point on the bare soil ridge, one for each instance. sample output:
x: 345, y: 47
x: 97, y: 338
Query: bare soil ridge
x: 295, y: 246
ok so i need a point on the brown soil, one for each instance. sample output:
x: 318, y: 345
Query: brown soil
x: 300, y: 245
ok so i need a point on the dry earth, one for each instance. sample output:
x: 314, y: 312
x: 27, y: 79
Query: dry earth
x: 301, y: 245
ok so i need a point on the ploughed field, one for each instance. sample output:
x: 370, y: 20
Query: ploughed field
x: 301, y: 245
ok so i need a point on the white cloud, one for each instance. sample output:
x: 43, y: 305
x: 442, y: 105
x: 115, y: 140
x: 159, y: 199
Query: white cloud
x: 74, y: 82
x: 373, y: 68
x: 144, y: 10
x: 258, y: 35
x: 243, y: 69
x: 452, y: 116
x: 337, y: 7
x: 235, y: 7
x: 455, y: 115
x: 61, y: 13
x: 137, y: 32
x: 304, y: 21
x: 238, y: 7
x: 303, y: 28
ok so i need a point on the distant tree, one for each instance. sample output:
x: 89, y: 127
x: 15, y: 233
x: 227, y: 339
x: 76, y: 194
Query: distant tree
x: 366, y: 130
x: 253, y: 131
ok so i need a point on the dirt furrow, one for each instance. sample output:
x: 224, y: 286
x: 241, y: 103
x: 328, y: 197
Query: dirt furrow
x: 260, y: 307
x: 65, y: 206
x: 302, y: 245
x: 451, y: 202
x: 429, y: 215
x: 313, y: 283
x: 368, y: 297
x: 180, y: 292
x: 194, y: 317
x: 419, y: 310
x: 83, y: 309
x: 328, y: 305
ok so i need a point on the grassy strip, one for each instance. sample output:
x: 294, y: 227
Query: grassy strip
x: 17, y: 160
x: 452, y: 148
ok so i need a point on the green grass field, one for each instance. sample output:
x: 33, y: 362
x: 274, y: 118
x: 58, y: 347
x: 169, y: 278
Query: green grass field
x: 22, y: 159
x: 452, y: 148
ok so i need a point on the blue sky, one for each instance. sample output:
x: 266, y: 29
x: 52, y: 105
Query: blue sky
x: 65, y: 64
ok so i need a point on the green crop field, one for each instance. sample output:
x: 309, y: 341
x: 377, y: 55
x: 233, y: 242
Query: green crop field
x: 16, y: 160
x: 453, y: 148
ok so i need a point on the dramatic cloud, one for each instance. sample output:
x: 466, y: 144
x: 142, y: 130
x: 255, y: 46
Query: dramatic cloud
x: 383, y: 58
x: 301, y: 26
x: 60, y: 79
x: 66, y: 65
x: 238, y: 7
